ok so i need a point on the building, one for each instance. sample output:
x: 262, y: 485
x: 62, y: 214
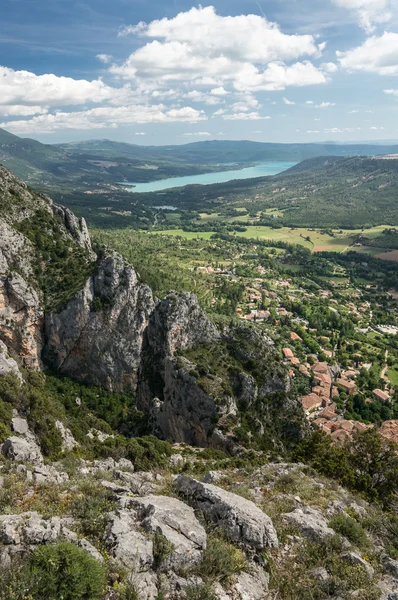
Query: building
x: 295, y: 337
x: 311, y: 401
x: 348, y: 386
x: 380, y: 395
x: 389, y: 430
x: 287, y: 353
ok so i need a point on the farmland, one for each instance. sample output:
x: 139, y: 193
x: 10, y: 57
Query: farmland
x: 315, y: 240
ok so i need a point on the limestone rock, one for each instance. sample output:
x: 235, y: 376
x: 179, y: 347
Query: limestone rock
x: 140, y: 484
x: 92, y: 550
x: 145, y: 585
x: 127, y: 544
x: 98, y: 337
x: 46, y: 474
x: 76, y: 226
x: 241, y: 519
x: 177, y: 524
x: 251, y: 586
x: 30, y: 529
x: 68, y: 441
x: 7, y: 363
x: 114, y: 487
x: 21, y: 317
x: 19, y: 425
x: 22, y: 450
x: 310, y: 522
x: 99, y: 435
x: 390, y: 565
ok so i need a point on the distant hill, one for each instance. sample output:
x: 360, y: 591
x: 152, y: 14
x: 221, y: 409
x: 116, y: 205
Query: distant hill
x: 98, y: 165
x: 89, y: 165
x: 225, y: 151
x: 350, y: 192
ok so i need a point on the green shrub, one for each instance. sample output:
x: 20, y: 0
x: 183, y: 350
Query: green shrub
x: 61, y: 571
x: 90, y: 508
x: 67, y: 572
x: 351, y: 529
x: 220, y: 560
x: 162, y: 549
x: 199, y: 592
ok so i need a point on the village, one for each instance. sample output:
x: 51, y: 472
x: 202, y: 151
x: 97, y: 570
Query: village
x: 339, y: 376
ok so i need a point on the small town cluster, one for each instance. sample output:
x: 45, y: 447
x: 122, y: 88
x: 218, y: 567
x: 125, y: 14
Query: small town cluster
x: 338, y: 338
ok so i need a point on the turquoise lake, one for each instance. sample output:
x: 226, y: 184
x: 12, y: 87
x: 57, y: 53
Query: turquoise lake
x: 269, y: 168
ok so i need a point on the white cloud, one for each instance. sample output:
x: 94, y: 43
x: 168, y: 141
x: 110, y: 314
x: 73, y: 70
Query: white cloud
x: 198, y: 133
x: 219, y: 91
x: 287, y: 101
x: 376, y: 55
x: 20, y: 110
x: 309, y: 102
x: 278, y: 76
x: 339, y: 130
x: 313, y: 131
x: 244, y: 116
x: 200, y: 45
x: 105, y: 58
x: 325, y: 104
x: 368, y: 12
x: 197, y: 96
x: 329, y: 67
x: 26, y: 88
x: 374, y: 128
x: 391, y: 92
x: 104, y: 117
x: 140, y: 133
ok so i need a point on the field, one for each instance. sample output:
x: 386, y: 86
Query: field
x: 310, y: 238
x: 388, y: 255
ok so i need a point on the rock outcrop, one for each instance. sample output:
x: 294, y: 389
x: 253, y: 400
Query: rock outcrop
x: 242, y: 521
x: 98, y: 337
x: 176, y: 522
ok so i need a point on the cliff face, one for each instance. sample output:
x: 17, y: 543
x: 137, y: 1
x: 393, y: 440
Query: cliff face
x: 98, y: 337
x: 92, y: 320
x: 22, y: 266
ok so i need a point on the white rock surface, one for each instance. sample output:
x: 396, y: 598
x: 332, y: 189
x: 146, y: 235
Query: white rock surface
x: 241, y: 519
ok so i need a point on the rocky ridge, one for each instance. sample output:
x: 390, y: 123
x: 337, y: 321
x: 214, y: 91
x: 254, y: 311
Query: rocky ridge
x: 256, y: 534
x: 112, y: 332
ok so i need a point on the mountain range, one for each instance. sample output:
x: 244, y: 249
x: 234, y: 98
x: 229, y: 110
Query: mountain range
x: 80, y: 165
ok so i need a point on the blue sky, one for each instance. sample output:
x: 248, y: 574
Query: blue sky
x: 172, y: 72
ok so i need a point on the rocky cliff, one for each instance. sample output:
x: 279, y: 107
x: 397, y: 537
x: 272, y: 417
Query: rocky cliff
x: 92, y: 320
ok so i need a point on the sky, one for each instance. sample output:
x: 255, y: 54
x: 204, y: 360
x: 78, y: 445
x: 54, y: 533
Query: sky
x: 172, y: 72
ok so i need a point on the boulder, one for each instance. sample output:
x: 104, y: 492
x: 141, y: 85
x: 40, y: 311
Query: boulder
x: 310, y: 522
x: 22, y: 450
x: 251, y: 586
x: 19, y: 425
x: 45, y: 474
x: 241, y: 519
x: 114, y: 487
x: 7, y: 363
x: 140, y: 484
x: 390, y: 565
x: 177, y: 523
x: 30, y: 529
x: 68, y: 441
x: 127, y: 544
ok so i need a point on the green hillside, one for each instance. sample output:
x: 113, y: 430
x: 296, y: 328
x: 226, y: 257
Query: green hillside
x: 352, y: 193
